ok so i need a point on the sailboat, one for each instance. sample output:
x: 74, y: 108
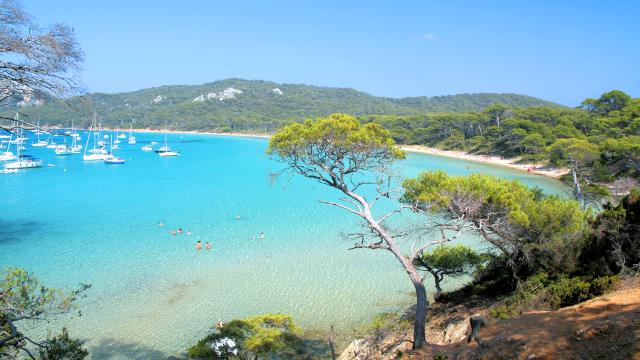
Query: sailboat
x: 95, y: 154
x: 132, y: 139
x: 22, y: 161
x: 38, y: 142
x: 118, y: 137
x: 51, y: 144
x: 8, y: 155
x: 121, y: 136
x: 166, y: 150
x: 111, y: 159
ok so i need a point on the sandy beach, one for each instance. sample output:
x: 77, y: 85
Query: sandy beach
x: 537, y: 169
x: 493, y: 160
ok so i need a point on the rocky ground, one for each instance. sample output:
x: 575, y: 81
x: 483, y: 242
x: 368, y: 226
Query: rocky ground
x: 607, y: 327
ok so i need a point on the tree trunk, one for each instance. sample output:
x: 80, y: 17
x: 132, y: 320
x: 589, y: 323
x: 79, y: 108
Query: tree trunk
x: 422, y: 305
x: 437, y: 280
x: 577, y: 192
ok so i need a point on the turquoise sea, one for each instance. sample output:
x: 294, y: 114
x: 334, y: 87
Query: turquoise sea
x: 153, y: 293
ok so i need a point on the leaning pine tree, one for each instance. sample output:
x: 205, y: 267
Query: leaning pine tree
x: 339, y: 152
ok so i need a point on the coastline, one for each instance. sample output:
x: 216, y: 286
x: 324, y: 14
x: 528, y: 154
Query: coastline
x: 486, y: 159
x: 537, y: 169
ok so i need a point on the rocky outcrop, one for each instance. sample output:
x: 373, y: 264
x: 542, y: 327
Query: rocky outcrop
x: 226, y: 94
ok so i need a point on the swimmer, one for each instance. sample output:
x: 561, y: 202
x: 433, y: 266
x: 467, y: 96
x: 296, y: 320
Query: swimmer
x: 188, y: 232
x: 180, y: 231
x: 238, y: 217
x: 173, y: 232
x: 261, y: 235
x: 199, y: 245
x: 160, y: 224
x: 207, y: 246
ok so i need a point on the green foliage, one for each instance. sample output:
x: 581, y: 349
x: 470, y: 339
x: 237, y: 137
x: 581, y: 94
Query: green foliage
x: 614, y: 243
x: 24, y: 297
x: 453, y: 260
x: 440, y: 356
x: 257, y: 109
x: 541, y: 291
x: 535, y: 233
x: 62, y: 347
x: 256, y: 335
x: 449, y: 260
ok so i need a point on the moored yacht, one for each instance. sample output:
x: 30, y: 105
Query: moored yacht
x: 63, y: 149
x: 24, y: 162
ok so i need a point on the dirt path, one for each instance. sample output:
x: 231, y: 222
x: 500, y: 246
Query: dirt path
x: 607, y: 327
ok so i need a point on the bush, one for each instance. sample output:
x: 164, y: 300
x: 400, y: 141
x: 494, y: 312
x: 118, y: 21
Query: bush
x: 543, y: 292
x: 256, y: 335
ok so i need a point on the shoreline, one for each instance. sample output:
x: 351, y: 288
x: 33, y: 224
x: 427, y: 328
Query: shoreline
x: 536, y: 169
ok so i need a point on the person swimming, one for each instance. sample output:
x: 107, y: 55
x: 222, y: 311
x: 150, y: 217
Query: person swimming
x: 173, y: 232
x: 261, y: 235
x: 180, y: 231
x: 238, y: 217
x: 199, y: 245
x: 161, y: 224
x: 207, y: 246
x: 188, y: 232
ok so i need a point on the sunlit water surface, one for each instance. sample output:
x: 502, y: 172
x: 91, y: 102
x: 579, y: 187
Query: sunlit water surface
x: 153, y: 293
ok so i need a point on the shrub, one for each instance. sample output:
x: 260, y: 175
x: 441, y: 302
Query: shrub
x: 256, y: 335
x: 543, y: 292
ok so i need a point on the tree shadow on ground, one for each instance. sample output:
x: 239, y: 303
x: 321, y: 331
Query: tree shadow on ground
x: 117, y: 349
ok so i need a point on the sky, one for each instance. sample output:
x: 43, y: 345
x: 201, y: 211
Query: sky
x: 563, y: 51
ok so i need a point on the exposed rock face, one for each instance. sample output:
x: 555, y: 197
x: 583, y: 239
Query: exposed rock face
x: 158, y: 99
x: 278, y: 91
x: 29, y: 100
x: 226, y: 94
x: 381, y: 348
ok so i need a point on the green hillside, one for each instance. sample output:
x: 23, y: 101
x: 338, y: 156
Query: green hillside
x: 243, y: 105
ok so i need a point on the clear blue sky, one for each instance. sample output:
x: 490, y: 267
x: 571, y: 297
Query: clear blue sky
x: 563, y: 51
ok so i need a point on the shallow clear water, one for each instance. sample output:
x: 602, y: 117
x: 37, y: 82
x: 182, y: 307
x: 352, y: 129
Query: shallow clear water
x: 153, y: 293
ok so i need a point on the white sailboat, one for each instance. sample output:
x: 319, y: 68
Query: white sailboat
x: 63, y: 149
x: 121, y: 136
x: 37, y: 132
x: 51, y: 144
x: 165, y: 150
x: 7, y: 155
x: 23, y: 161
x: 132, y: 139
x: 112, y: 159
x: 95, y: 154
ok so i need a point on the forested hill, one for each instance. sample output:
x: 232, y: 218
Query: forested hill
x: 243, y: 105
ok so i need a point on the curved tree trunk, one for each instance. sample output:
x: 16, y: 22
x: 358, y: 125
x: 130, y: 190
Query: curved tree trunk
x: 437, y: 280
x: 422, y: 305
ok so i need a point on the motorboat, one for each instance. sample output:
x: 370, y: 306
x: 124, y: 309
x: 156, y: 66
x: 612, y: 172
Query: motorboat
x: 147, y: 148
